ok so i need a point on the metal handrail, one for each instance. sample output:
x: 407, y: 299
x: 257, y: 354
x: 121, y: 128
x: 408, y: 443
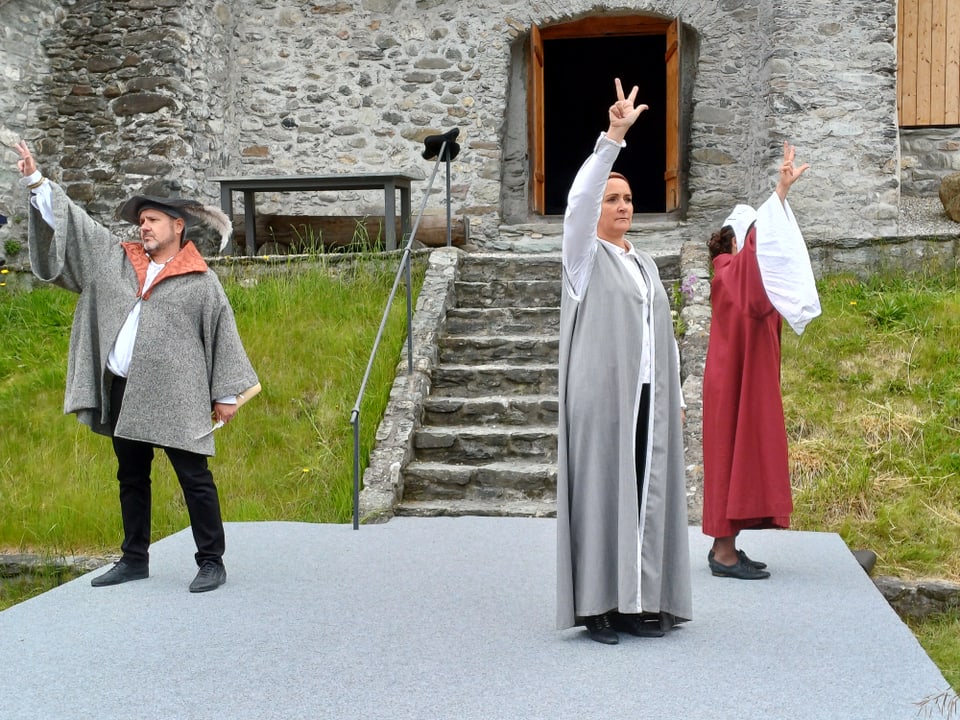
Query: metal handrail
x: 404, y: 267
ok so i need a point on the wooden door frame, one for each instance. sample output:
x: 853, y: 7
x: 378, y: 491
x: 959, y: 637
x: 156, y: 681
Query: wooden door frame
x: 605, y: 26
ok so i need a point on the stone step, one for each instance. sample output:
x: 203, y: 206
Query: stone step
x: 479, y: 444
x: 494, y: 481
x: 484, y: 267
x: 496, y: 293
x: 467, y: 350
x: 508, y: 293
x: 494, y: 379
x: 508, y: 410
x: 503, y: 321
x: 481, y: 267
x: 481, y: 508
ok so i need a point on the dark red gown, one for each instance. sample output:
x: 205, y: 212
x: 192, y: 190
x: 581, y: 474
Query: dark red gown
x: 746, y: 475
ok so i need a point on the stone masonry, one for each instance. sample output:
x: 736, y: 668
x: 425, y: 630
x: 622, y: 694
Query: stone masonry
x: 120, y: 96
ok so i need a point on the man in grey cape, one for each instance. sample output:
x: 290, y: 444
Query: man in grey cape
x: 622, y: 540
x: 154, y: 352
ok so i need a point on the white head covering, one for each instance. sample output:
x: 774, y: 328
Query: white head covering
x: 742, y: 217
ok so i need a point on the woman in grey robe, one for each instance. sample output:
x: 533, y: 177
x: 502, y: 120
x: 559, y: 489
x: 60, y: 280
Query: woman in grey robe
x: 622, y: 544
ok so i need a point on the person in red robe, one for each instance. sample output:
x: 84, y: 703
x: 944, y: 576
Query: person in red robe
x: 746, y: 481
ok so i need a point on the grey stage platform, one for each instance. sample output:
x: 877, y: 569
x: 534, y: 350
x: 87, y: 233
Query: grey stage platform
x: 453, y: 618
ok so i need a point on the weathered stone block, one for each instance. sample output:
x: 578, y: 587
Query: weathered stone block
x: 138, y: 103
x: 950, y: 195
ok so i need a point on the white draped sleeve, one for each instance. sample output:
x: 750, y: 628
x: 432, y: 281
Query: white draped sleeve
x: 785, y: 264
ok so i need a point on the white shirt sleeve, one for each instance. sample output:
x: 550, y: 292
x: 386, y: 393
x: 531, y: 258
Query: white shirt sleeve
x: 785, y: 264
x: 583, y: 214
x: 40, y: 196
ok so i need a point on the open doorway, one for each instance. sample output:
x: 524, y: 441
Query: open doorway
x: 571, y: 71
x: 578, y: 88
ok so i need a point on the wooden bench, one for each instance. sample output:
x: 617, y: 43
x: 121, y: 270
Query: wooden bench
x: 284, y: 234
x: 390, y: 183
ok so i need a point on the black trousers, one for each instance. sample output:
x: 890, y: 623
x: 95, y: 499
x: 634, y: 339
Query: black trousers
x: 643, y: 427
x: 134, y: 461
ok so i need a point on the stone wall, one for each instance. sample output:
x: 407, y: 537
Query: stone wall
x: 121, y: 96
x: 926, y: 156
x: 161, y: 95
x: 23, y: 64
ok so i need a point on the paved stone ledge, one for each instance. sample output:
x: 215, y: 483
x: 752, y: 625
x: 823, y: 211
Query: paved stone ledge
x: 919, y: 599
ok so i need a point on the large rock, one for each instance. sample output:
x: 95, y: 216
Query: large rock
x: 950, y: 195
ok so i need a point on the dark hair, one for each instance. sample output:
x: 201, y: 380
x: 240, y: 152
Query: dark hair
x: 721, y: 242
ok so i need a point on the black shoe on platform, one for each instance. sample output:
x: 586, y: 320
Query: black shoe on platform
x: 210, y: 576
x: 636, y: 625
x: 743, y: 558
x: 599, y: 628
x: 121, y: 572
x: 756, y: 563
x: 741, y: 570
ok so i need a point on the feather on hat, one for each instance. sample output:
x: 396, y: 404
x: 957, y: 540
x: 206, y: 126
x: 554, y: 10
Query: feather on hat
x: 191, y: 212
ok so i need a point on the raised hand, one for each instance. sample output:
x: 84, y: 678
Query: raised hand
x: 622, y: 113
x: 26, y: 164
x: 788, y: 173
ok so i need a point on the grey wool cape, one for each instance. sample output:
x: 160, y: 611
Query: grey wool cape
x: 616, y: 551
x: 187, y: 351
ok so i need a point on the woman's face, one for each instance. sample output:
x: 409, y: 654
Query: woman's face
x: 616, y: 210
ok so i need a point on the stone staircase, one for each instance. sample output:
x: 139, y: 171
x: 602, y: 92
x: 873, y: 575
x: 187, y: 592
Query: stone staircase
x: 487, y: 443
x: 487, y: 439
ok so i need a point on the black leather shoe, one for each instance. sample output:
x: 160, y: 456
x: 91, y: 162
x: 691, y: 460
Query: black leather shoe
x: 599, y: 628
x: 636, y: 625
x: 210, y: 576
x: 743, y: 558
x: 741, y: 570
x: 121, y: 572
x: 756, y: 563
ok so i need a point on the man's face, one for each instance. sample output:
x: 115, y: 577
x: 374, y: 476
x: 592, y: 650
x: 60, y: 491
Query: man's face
x: 159, y: 233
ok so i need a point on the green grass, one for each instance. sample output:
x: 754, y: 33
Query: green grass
x: 940, y: 637
x: 288, y: 455
x: 18, y: 589
x: 872, y: 406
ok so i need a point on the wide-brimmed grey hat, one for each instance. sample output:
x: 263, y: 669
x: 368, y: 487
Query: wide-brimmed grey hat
x: 190, y: 211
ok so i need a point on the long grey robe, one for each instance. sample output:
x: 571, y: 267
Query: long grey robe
x: 187, y: 351
x: 611, y: 553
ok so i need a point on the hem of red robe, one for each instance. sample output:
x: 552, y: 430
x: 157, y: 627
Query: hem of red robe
x: 732, y: 526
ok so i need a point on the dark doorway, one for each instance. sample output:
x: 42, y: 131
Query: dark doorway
x: 578, y: 87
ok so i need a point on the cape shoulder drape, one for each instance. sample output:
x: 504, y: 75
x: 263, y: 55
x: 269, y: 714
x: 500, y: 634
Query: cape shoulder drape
x: 745, y: 463
x: 615, y: 550
x: 187, y: 351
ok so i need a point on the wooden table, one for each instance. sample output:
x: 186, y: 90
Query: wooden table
x: 390, y: 183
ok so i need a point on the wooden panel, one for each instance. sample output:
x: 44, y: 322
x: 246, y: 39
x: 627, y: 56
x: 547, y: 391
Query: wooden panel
x: 928, y: 62
x: 951, y: 75
x: 535, y: 121
x: 924, y: 32
x: 938, y: 57
x: 907, y: 61
x: 671, y: 175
